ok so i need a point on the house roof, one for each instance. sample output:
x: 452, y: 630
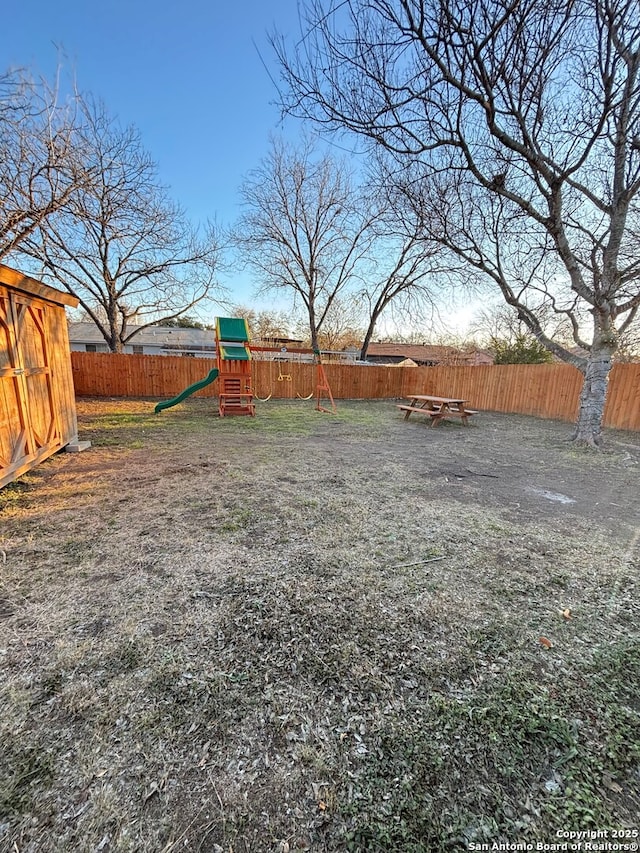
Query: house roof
x: 165, y: 337
x: 422, y: 353
x: 271, y: 340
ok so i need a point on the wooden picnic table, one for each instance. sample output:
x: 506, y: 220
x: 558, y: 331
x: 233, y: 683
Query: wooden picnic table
x: 437, y: 408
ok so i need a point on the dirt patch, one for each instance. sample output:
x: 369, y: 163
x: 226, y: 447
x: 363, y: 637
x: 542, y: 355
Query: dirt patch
x: 306, y: 632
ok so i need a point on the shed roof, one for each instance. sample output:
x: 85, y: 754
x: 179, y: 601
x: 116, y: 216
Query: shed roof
x: 19, y: 281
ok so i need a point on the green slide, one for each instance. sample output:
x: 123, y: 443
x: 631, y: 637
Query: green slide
x: 211, y: 377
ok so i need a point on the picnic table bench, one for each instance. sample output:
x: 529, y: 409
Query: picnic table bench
x: 437, y: 408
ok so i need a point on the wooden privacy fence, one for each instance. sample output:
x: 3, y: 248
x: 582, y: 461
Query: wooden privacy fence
x: 544, y: 390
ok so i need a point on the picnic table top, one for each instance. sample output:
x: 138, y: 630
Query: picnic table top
x: 433, y: 399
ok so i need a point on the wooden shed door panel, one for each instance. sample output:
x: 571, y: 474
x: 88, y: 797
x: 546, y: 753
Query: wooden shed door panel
x: 29, y: 429
x: 33, y: 352
x: 14, y: 426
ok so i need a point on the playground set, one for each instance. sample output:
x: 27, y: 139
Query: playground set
x: 233, y: 373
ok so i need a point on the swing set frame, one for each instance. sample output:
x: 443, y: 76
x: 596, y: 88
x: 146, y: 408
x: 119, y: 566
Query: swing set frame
x: 322, y: 389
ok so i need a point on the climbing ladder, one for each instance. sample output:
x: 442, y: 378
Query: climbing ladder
x: 234, y: 366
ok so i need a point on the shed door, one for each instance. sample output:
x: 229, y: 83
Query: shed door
x: 29, y: 427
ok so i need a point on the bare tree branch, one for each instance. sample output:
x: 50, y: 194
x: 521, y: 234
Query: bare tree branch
x: 305, y: 228
x: 120, y: 244
x: 42, y: 162
x: 534, y: 104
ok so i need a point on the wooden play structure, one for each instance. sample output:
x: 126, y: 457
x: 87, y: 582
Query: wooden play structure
x: 234, y: 367
x: 234, y: 376
x: 37, y: 400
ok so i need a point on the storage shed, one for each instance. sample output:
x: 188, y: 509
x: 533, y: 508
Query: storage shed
x: 37, y: 400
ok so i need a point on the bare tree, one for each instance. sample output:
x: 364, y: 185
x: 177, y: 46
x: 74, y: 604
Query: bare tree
x: 498, y: 321
x: 264, y: 325
x: 305, y: 229
x: 521, y: 119
x: 41, y: 162
x: 406, y: 264
x: 342, y: 326
x: 121, y: 245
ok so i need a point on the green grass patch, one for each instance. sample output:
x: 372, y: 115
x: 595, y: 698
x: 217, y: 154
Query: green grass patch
x: 517, y: 760
x: 25, y: 769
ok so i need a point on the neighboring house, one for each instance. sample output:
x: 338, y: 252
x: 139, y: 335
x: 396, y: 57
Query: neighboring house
x: 171, y: 340
x: 152, y: 340
x: 280, y: 342
x: 425, y: 355
x: 275, y: 348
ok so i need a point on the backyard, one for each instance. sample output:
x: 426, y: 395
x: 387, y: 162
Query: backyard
x: 311, y: 632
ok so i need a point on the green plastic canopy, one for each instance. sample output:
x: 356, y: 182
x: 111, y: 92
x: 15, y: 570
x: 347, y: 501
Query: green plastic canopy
x: 233, y: 329
x: 237, y: 353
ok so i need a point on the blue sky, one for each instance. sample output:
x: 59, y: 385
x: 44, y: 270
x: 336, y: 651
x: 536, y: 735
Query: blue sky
x: 188, y: 75
x: 191, y: 76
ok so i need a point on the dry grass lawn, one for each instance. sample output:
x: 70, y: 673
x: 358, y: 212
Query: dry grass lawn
x: 306, y: 632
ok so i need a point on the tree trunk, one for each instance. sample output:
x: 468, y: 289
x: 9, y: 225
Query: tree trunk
x: 313, y: 329
x: 367, y: 341
x: 115, y: 342
x: 588, y: 429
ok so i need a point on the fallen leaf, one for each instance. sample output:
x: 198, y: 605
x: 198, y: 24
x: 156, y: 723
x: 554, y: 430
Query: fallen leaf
x: 205, y: 754
x: 154, y: 788
x: 545, y: 642
x: 608, y: 782
x: 566, y: 613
